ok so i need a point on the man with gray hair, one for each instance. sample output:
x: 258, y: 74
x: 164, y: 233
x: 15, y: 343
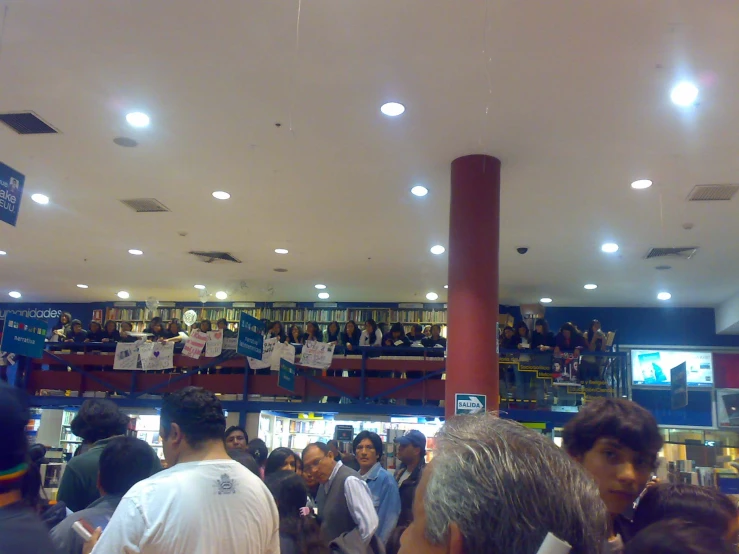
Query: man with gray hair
x: 495, y: 486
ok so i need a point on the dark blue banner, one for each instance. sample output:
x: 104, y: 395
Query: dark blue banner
x: 11, y: 192
x: 24, y: 336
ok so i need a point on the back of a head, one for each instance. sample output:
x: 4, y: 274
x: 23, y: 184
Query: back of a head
x: 246, y: 460
x: 703, y: 506
x: 289, y: 491
x: 198, y: 413
x: 14, y: 450
x: 519, y: 483
x: 258, y: 449
x: 674, y: 536
x: 617, y: 418
x: 99, y: 419
x: 124, y: 462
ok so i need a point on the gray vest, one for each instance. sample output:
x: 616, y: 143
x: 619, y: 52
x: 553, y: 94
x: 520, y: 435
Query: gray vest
x: 333, y: 511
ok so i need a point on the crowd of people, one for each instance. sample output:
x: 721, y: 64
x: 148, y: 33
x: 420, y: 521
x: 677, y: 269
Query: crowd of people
x: 492, y: 486
x: 568, y: 339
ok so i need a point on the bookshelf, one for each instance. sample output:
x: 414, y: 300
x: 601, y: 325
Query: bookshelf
x: 139, y: 317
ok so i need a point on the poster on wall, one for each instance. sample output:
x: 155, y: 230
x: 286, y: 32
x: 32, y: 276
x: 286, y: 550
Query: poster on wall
x: 727, y: 407
x: 317, y: 354
x: 195, y: 344
x: 214, y: 344
x: 127, y: 355
x: 266, y: 361
x: 566, y: 371
x: 652, y: 367
x: 157, y: 355
x: 11, y: 192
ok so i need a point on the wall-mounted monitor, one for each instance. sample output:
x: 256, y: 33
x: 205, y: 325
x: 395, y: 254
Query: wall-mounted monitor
x: 652, y: 367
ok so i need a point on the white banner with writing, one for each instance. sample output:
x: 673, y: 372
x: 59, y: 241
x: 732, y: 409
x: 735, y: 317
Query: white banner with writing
x: 283, y: 351
x: 266, y: 361
x: 127, y: 355
x: 157, y: 355
x: 195, y: 344
x: 214, y: 344
x: 317, y: 354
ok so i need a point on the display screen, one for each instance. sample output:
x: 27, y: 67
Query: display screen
x: 652, y: 367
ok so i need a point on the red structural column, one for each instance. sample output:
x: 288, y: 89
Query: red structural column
x: 472, y: 307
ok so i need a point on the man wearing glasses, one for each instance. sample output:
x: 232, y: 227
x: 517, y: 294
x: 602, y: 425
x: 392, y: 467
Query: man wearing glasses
x: 343, y: 499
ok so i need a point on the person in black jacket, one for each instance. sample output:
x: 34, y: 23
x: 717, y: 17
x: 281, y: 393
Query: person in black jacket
x: 350, y: 336
x: 412, y: 455
x: 276, y: 331
x: 222, y: 325
x: 416, y: 334
x: 77, y: 333
x: 542, y: 338
x: 127, y: 328
x: 435, y: 339
x: 62, y: 327
x: 313, y: 332
x: 95, y: 334
x: 396, y: 337
x: 110, y: 332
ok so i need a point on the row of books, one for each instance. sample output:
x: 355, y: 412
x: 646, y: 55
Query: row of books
x: 325, y: 315
x: 230, y: 314
x: 125, y: 314
x: 391, y: 315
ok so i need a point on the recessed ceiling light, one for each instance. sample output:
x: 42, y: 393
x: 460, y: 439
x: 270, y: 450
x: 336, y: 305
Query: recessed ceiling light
x: 591, y: 286
x: 199, y: 287
x: 137, y: 119
x: 684, y: 94
x: 431, y: 296
x: 438, y: 249
x: 323, y: 295
x: 280, y: 251
x: 14, y: 294
x: 220, y: 295
x: 40, y: 198
x: 664, y: 296
x: 280, y: 270
x: 392, y: 109
x: 320, y: 287
x: 609, y: 247
x: 446, y: 286
x: 3, y: 253
x: 221, y: 195
x: 123, y: 294
x: 419, y: 190
x: 135, y: 252
x: 663, y: 267
x: 82, y: 286
x: 641, y: 184
x: 545, y: 300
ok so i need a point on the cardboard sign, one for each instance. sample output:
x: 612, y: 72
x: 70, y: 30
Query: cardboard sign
x: 157, y: 355
x: 195, y: 344
x: 282, y: 351
x: 266, y: 361
x: 214, y: 344
x: 127, y: 355
x: 317, y: 354
x: 230, y: 344
x: 251, y: 336
x: 11, y: 192
x: 24, y: 336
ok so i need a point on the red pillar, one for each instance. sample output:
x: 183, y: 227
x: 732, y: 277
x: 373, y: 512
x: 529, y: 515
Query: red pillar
x: 472, y: 311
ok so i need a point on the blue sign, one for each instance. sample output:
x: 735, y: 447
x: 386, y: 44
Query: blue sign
x: 251, y: 337
x: 286, y: 376
x: 679, y: 386
x: 24, y: 336
x: 11, y: 192
x: 467, y: 404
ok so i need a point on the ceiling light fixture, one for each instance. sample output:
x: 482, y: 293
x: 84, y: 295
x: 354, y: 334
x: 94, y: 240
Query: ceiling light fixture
x: 446, y: 286
x: 82, y: 287
x: 40, y: 198
x: 221, y: 195
x: 392, y: 109
x: 14, y: 294
x: 591, y: 286
x: 684, y: 94
x: 438, y: 249
x: 3, y: 253
x: 432, y: 296
x: 609, y: 247
x: 320, y: 287
x: 545, y: 300
x: 664, y: 296
x: 123, y: 294
x: 323, y: 295
x: 220, y: 295
x: 135, y: 252
x: 641, y: 184
x: 138, y: 119
x: 280, y: 251
x: 199, y: 287
x: 419, y: 190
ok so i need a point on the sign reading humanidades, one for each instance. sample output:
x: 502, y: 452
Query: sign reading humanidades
x: 11, y: 192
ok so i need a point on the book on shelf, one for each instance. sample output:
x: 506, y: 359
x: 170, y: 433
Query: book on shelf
x: 325, y: 315
x: 125, y: 314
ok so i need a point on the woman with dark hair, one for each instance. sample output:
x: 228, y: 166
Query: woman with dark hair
x: 542, y: 338
x: 416, y: 335
x: 677, y: 536
x: 371, y: 336
x: 205, y: 326
x: 396, y: 337
x: 351, y: 335
x: 333, y: 333
x: 222, y: 325
x: 704, y: 506
x: 62, y: 327
x: 299, y: 534
x: 95, y: 333
x: 508, y: 339
x: 313, y: 332
x: 435, y: 338
x: 522, y: 332
x: 258, y: 449
x: 174, y: 332
x: 569, y: 339
x: 110, y: 332
x: 276, y: 331
x: 280, y: 459
x: 126, y: 328
x: 296, y: 335
x: 595, y: 337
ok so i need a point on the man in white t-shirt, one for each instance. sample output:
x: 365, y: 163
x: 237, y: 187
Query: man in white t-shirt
x: 205, y: 503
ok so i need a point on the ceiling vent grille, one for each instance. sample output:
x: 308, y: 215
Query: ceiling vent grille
x: 215, y: 257
x: 27, y: 123
x: 683, y: 252
x: 145, y: 205
x: 711, y: 193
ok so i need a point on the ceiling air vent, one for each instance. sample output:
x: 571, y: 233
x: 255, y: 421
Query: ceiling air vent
x: 215, y: 257
x: 145, y: 205
x: 683, y: 252
x: 705, y: 193
x: 27, y: 123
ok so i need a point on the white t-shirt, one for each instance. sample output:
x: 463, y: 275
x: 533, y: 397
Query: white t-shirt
x: 209, y: 507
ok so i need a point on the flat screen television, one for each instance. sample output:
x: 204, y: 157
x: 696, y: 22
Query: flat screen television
x: 652, y: 367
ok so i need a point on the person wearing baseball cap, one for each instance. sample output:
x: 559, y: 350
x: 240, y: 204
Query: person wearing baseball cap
x: 21, y: 529
x: 412, y: 455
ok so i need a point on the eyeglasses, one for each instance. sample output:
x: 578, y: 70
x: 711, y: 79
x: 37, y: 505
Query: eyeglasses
x: 313, y: 464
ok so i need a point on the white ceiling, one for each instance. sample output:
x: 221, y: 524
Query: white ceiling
x: 572, y: 96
